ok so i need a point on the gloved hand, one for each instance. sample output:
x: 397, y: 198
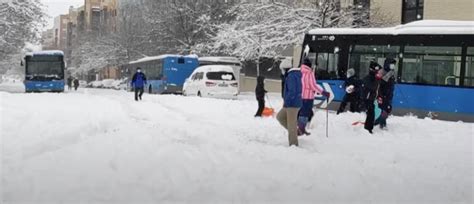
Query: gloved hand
x: 384, y: 114
x: 326, y: 94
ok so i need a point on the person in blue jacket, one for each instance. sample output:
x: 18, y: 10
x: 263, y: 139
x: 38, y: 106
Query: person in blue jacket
x: 292, y: 103
x: 138, y: 83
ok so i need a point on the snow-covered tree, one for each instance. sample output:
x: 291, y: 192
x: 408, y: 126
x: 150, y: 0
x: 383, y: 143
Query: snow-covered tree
x: 97, y: 52
x: 158, y: 27
x: 20, y: 22
x: 269, y: 27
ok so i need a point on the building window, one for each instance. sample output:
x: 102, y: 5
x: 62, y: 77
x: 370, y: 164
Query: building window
x: 362, y: 4
x: 412, y: 10
x: 432, y: 65
x: 469, y: 76
x: 362, y: 13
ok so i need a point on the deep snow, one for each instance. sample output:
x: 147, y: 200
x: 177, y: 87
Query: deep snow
x: 101, y: 146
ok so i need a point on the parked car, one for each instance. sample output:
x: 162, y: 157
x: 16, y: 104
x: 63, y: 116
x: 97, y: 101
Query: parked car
x: 216, y: 81
x: 108, y: 83
x: 95, y: 84
x: 82, y: 83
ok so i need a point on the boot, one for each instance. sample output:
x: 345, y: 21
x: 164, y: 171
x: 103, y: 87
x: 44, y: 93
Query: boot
x: 299, y: 133
x: 302, y: 121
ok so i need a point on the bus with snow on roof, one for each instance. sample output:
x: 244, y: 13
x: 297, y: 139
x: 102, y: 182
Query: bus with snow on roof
x: 435, y: 64
x: 165, y: 73
x: 44, y: 71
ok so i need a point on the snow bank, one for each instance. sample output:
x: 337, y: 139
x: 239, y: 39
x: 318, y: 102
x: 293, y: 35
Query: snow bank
x: 101, y: 146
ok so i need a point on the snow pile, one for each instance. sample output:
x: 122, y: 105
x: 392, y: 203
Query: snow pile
x: 101, y: 146
x: 12, y: 84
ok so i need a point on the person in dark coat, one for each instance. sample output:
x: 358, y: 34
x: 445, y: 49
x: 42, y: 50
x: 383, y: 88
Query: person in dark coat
x: 260, y: 95
x: 76, y: 84
x: 370, y: 86
x: 69, y: 83
x: 385, y: 91
x: 138, y: 83
x: 352, y: 86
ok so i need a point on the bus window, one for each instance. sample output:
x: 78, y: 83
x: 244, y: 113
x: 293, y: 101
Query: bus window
x: 326, y: 64
x: 432, y: 65
x: 469, y: 80
x: 361, y: 55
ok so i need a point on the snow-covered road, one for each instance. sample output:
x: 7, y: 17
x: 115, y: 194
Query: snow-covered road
x: 101, y: 146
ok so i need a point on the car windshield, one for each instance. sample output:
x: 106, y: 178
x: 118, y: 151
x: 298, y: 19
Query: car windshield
x: 226, y: 76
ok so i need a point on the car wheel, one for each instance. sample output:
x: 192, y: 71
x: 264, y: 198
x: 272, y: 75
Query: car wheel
x: 199, y: 94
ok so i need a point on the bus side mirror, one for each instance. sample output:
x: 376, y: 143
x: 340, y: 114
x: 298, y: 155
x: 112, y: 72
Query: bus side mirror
x: 21, y: 63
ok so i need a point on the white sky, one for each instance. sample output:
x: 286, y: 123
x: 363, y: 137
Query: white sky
x: 57, y: 7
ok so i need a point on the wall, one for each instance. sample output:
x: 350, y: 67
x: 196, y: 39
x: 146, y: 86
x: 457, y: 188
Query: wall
x: 449, y: 10
x: 248, y: 84
x: 390, y: 10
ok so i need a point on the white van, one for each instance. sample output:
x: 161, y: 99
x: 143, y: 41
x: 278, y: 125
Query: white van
x: 216, y: 81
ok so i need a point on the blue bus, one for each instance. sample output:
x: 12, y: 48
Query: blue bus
x: 435, y: 59
x: 165, y: 73
x: 44, y: 71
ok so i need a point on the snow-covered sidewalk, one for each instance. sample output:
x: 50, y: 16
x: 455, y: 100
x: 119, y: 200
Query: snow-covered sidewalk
x: 101, y: 146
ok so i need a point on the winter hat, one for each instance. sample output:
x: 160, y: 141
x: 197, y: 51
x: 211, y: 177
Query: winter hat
x: 350, y: 72
x: 307, y: 62
x: 388, y: 61
x: 374, y: 66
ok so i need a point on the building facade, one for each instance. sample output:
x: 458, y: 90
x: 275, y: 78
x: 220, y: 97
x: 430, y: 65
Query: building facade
x: 100, y: 15
x: 48, y: 40
x: 405, y: 11
x: 60, y: 31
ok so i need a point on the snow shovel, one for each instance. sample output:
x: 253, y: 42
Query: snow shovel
x: 268, y: 111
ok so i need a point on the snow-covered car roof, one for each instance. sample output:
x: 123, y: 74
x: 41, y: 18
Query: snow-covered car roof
x: 215, y: 68
x: 146, y: 59
x: 423, y: 27
x: 220, y: 59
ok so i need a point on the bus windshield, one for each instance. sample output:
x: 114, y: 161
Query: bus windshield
x: 44, y: 69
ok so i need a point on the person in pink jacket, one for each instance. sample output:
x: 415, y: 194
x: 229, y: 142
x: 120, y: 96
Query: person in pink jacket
x: 309, y: 89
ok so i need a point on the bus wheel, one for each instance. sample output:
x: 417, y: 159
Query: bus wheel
x: 150, y: 90
x: 199, y: 94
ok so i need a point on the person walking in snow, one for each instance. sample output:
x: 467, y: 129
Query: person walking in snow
x: 385, y: 92
x: 76, y: 84
x: 309, y: 88
x: 292, y: 103
x: 352, y: 87
x: 260, y: 95
x: 369, y: 92
x: 69, y: 83
x: 138, y: 83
